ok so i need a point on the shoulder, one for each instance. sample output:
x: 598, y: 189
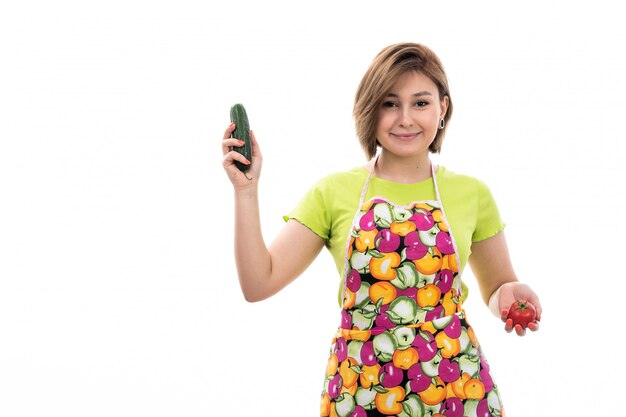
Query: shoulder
x: 462, y: 184
x: 463, y: 180
x: 340, y: 180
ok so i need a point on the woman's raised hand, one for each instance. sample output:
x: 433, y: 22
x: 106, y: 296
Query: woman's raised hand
x: 251, y: 177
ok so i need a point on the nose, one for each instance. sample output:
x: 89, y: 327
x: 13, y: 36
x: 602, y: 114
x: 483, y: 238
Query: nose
x: 405, y: 117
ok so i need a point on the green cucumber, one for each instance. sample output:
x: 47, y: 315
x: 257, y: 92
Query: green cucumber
x: 239, y: 117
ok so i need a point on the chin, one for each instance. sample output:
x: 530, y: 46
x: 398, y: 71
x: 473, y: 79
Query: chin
x: 409, y: 153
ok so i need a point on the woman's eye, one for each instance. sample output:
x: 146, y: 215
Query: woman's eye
x: 389, y: 104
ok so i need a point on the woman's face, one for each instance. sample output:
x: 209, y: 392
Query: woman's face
x: 409, y: 116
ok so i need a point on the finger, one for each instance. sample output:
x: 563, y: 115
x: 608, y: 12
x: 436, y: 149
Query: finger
x: 256, y: 150
x: 504, y: 314
x: 508, y: 326
x: 232, y: 156
x: 534, y: 326
x: 227, y: 144
x: 520, y: 330
x: 229, y: 130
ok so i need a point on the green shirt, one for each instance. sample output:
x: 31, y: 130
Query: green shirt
x: 329, y: 207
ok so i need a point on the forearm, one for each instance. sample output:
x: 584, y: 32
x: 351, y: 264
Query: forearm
x: 251, y: 254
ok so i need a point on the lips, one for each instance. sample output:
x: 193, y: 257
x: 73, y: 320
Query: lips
x: 405, y: 136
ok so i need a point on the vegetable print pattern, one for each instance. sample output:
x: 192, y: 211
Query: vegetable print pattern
x: 404, y: 347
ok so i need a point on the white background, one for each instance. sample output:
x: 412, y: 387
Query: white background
x: 118, y: 291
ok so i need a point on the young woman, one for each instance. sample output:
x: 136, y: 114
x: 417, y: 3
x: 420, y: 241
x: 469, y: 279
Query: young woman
x: 401, y: 231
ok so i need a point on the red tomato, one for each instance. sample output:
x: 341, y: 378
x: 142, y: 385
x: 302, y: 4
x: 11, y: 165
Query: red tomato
x: 522, y: 312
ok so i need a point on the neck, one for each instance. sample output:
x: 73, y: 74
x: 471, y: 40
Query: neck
x: 402, y: 170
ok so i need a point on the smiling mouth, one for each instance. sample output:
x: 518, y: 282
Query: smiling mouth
x: 405, y: 135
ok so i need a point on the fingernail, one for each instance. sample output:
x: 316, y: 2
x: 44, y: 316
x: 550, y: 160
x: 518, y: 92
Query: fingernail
x: 241, y: 142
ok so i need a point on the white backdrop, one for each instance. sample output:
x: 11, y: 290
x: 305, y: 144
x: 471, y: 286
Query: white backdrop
x: 118, y: 291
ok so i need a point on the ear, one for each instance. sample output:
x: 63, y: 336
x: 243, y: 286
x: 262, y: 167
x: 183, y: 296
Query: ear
x: 444, y: 106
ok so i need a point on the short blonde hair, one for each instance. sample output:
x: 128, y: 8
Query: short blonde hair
x: 390, y: 63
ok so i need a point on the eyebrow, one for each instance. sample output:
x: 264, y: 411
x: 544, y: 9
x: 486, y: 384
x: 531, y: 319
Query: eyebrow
x: 421, y: 93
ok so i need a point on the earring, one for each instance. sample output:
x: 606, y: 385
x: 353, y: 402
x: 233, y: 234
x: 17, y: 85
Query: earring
x: 442, y: 124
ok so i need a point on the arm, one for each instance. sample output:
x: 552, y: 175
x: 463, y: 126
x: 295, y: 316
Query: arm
x: 262, y: 271
x: 499, y: 286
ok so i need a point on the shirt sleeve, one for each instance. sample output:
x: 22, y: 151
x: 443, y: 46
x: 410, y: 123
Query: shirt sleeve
x: 488, y: 222
x: 313, y: 211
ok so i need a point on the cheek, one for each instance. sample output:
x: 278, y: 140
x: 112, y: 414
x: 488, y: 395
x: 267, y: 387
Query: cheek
x: 385, y: 122
x: 430, y: 120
